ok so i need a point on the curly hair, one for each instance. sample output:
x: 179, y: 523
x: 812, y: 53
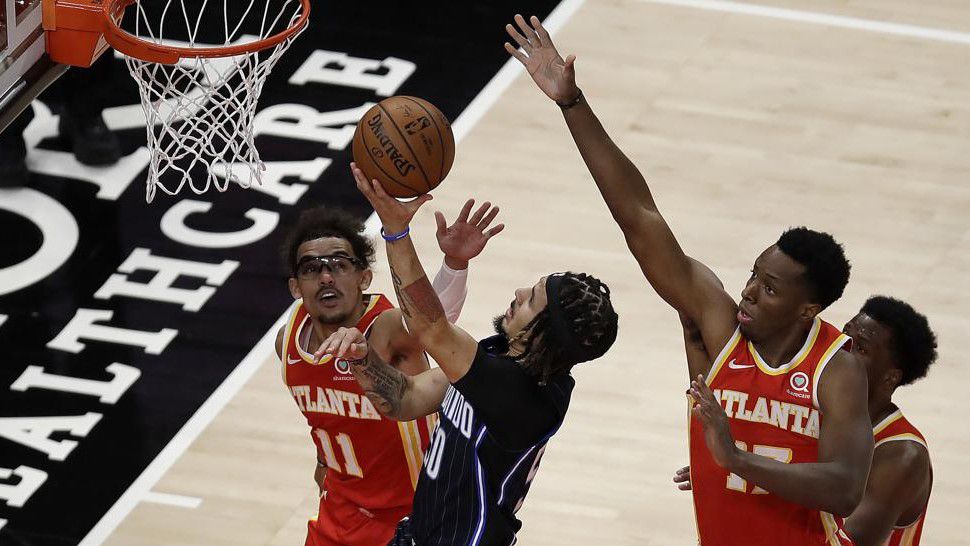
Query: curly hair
x: 325, y: 221
x: 913, y: 342
x: 826, y: 267
x: 585, y: 301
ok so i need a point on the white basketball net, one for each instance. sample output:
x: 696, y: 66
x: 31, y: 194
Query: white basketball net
x: 200, y: 112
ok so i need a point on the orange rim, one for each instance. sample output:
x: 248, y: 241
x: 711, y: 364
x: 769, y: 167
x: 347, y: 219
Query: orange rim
x: 133, y: 46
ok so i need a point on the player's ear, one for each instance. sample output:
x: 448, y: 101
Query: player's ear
x: 365, y: 279
x: 294, y: 288
x: 811, y: 310
x: 894, y: 376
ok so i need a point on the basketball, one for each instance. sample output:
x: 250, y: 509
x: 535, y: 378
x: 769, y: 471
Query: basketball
x: 406, y: 144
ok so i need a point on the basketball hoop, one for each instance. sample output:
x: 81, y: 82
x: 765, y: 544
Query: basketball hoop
x: 200, y: 99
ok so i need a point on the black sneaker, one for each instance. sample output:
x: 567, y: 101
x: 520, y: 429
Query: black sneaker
x: 91, y: 140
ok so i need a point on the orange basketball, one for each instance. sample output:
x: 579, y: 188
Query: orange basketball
x: 406, y: 144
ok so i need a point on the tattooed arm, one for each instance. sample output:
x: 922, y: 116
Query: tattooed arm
x: 396, y: 395
x: 451, y: 347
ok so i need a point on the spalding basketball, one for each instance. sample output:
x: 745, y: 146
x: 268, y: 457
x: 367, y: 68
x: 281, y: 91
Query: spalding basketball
x: 406, y: 144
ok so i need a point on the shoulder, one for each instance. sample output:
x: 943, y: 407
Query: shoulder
x: 558, y: 391
x: 389, y: 320
x: 907, y: 455
x: 902, y: 466
x: 843, y: 379
x: 279, y: 341
x: 388, y: 331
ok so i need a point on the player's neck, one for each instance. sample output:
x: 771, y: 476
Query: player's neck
x: 323, y: 330
x: 880, y: 407
x: 784, y: 345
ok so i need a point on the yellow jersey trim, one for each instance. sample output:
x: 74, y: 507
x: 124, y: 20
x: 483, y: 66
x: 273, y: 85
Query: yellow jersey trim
x: 287, y: 334
x: 796, y: 360
x: 909, y: 534
x: 890, y: 419
x: 722, y: 357
x: 308, y: 357
x: 906, y: 436
x: 831, y: 529
x: 411, y: 442
x: 826, y: 357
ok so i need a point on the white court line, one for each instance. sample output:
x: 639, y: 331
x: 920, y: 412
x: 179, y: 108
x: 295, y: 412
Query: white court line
x: 169, y: 499
x: 265, y: 348
x: 142, y: 486
x: 840, y: 21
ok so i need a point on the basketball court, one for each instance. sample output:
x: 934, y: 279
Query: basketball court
x: 172, y: 425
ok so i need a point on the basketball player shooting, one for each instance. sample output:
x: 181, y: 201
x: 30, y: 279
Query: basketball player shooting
x: 367, y: 466
x: 768, y: 469
x: 897, y: 347
x: 500, y: 399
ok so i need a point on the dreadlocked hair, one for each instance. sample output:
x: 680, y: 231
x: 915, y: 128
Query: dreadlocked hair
x: 585, y: 301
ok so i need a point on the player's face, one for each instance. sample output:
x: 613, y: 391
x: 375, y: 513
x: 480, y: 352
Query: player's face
x: 872, y: 345
x: 528, y: 303
x: 775, y: 296
x: 330, y: 279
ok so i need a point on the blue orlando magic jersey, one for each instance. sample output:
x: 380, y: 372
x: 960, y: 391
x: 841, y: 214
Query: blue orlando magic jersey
x: 492, y: 431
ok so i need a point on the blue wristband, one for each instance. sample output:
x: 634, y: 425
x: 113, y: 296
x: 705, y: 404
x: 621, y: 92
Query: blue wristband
x: 395, y: 236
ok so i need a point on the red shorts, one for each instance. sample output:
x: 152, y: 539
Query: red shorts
x: 341, y: 523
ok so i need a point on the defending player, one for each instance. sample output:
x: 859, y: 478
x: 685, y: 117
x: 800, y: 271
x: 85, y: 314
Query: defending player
x: 500, y: 399
x: 771, y: 352
x: 367, y: 466
x: 897, y: 347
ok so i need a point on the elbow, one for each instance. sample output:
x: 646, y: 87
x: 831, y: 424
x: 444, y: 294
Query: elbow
x: 631, y: 216
x: 844, y: 507
x: 846, y: 500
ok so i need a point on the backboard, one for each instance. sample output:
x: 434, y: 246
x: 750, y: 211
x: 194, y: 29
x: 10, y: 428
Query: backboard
x: 25, y: 70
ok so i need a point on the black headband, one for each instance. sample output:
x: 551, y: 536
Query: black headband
x: 562, y: 333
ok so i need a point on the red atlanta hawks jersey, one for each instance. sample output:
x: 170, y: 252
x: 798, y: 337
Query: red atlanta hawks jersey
x: 373, y: 462
x: 895, y: 428
x: 772, y: 412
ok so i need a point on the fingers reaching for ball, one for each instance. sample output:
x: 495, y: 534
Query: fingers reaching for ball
x: 395, y: 215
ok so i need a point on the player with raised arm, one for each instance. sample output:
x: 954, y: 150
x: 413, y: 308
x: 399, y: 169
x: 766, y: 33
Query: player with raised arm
x: 367, y: 465
x: 897, y: 347
x: 795, y: 447
x: 500, y: 399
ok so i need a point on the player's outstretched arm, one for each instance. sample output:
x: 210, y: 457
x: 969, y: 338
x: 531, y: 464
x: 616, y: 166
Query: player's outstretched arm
x: 395, y: 394
x: 899, y: 470
x: 836, y: 483
x: 451, y: 347
x: 461, y: 242
x: 669, y: 270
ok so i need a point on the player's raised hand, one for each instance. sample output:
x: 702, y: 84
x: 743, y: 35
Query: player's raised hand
x: 395, y: 215
x: 682, y: 479
x: 554, y: 76
x: 717, y: 430
x: 466, y: 237
x: 345, y: 344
